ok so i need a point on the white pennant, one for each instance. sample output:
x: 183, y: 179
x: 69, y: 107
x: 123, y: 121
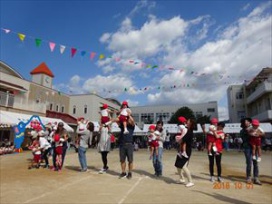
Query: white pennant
x: 62, y: 48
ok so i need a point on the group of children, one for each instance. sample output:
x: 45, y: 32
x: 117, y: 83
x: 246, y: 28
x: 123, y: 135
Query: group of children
x: 7, y: 148
x: 42, y: 141
x: 254, y: 131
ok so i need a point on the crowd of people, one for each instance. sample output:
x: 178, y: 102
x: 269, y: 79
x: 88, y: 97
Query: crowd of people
x: 53, y: 141
x: 6, y: 147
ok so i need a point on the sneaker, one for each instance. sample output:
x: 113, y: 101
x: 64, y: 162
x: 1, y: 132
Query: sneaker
x: 83, y: 170
x: 249, y: 181
x: 184, y: 154
x: 181, y: 181
x: 210, y: 154
x: 259, y: 159
x: 102, y: 171
x: 150, y: 157
x: 219, y: 179
x: 257, y: 181
x: 190, y: 184
x: 254, y: 157
x: 129, y: 175
x: 126, y: 132
x: 122, y: 175
x: 212, y: 179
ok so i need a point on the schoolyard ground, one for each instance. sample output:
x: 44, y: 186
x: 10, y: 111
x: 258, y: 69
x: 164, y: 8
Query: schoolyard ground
x: 20, y: 185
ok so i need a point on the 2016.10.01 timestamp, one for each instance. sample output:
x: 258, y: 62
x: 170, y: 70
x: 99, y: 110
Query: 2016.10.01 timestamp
x: 234, y: 185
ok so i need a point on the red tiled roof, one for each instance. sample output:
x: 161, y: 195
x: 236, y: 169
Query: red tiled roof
x: 63, y: 116
x: 42, y: 69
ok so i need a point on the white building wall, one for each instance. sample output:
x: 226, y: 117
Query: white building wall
x: 141, y: 113
x: 92, y: 102
x: 236, y: 103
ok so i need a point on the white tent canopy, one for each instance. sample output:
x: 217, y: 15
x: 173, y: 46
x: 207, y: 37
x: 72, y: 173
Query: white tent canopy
x: 115, y: 128
x: 229, y: 128
x: 13, y: 119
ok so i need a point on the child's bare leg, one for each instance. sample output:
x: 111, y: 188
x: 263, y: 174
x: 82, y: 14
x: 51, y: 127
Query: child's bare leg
x: 254, y: 150
x: 209, y: 148
x: 259, y: 151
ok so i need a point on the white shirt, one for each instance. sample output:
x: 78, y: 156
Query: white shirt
x: 44, y: 144
x: 183, y: 130
x: 105, y: 113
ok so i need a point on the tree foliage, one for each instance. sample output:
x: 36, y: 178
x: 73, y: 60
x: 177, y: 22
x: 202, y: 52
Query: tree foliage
x: 183, y: 111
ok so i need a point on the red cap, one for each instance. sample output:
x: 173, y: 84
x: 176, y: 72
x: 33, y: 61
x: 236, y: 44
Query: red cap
x: 214, y: 121
x: 181, y: 119
x: 105, y: 106
x: 125, y: 103
x: 152, y: 127
x: 255, y: 122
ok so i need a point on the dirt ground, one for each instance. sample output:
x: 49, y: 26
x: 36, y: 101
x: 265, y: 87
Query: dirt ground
x: 20, y: 185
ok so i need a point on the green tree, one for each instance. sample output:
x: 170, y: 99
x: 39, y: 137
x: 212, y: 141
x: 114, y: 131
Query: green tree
x: 183, y: 111
x: 203, y: 119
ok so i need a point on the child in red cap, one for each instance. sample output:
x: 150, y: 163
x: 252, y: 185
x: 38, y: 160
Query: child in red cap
x: 211, y: 136
x: 183, y: 130
x: 256, y: 133
x: 123, y: 116
x: 105, y: 116
x: 152, y: 141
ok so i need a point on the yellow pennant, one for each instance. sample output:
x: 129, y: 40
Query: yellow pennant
x: 101, y: 56
x: 21, y: 36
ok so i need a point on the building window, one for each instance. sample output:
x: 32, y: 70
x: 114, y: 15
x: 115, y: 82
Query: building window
x: 147, y: 118
x: 136, y: 117
x: 211, y: 110
x: 239, y: 95
x: 62, y: 109
x: 85, y: 109
x: 268, y: 104
x: 57, y: 108
x: 74, y: 109
x: 51, y: 106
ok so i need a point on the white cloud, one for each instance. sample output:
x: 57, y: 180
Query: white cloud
x: 237, y: 52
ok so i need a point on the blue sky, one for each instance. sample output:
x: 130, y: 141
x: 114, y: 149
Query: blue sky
x: 155, y: 52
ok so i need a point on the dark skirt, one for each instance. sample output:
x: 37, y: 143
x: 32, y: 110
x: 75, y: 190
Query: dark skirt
x: 180, y: 162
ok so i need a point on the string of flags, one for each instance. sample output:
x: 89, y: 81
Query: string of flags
x: 100, y: 56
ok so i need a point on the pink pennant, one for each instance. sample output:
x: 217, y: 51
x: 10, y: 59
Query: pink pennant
x: 117, y: 59
x: 73, y: 51
x: 92, y: 55
x: 52, y: 46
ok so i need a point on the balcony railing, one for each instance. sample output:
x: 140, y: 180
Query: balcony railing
x: 19, y: 102
x: 263, y: 88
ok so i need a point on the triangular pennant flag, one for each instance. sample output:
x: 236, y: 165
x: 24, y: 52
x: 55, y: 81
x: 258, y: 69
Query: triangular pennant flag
x: 21, y: 36
x: 38, y: 42
x: 131, y: 61
x: 117, y: 59
x: 148, y: 66
x: 52, y: 46
x: 83, y: 53
x: 62, y: 48
x: 155, y: 66
x: 92, y: 55
x: 6, y: 30
x: 101, y: 56
x: 73, y: 51
x: 125, y: 89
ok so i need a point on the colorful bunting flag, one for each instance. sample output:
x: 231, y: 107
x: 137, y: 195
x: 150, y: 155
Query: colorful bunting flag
x: 38, y: 42
x: 83, y: 53
x: 21, y: 36
x: 73, y: 51
x: 101, y: 56
x: 52, y: 46
x: 62, y: 48
x: 6, y: 30
x: 92, y: 55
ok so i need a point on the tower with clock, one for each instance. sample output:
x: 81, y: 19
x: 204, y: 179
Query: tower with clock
x: 42, y: 75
